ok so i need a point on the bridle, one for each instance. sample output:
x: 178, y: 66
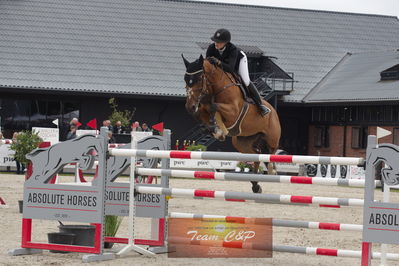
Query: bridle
x: 206, y: 86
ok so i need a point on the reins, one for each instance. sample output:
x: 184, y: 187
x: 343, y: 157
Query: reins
x: 226, y: 86
x: 206, y: 85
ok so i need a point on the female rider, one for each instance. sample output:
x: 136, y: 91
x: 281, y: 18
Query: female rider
x: 233, y: 60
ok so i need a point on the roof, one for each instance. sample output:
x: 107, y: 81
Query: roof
x: 134, y: 47
x: 249, y: 50
x: 357, y: 79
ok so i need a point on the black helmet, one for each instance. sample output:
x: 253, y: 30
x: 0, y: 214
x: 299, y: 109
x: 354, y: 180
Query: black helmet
x: 221, y: 35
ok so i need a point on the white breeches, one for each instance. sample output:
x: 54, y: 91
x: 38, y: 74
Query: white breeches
x: 243, y: 69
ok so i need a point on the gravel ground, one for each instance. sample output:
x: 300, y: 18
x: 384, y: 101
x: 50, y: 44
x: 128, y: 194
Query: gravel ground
x: 10, y: 220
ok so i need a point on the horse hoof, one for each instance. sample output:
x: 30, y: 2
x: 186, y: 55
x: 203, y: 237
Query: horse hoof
x: 256, y: 189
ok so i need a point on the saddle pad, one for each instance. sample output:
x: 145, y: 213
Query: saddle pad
x: 244, y: 91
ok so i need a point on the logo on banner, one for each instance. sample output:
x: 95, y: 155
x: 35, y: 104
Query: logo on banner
x: 217, y: 238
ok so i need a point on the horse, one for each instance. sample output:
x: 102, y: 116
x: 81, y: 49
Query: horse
x: 215, y: 99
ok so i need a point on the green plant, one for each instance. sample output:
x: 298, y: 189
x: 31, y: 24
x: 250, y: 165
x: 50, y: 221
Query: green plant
x: 124, y: 116
x: 249, y: 165
x: 26, y: 142
x: 198, y: 147
x: 111, y: 224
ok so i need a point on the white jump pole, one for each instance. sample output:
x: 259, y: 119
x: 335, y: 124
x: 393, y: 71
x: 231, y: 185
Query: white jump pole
x: 132, y: 207
x: 386, y: 197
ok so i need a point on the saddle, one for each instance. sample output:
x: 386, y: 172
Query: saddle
x: 235, y: 129
x: 245, y: 93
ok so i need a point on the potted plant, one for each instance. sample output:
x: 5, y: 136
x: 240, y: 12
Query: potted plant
x: 25, y: 142
x: 248, y: 167
x: 111, y: 226
x: 196, y: 147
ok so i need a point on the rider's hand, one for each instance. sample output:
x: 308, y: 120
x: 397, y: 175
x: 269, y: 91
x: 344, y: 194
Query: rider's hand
x: 214, y: 61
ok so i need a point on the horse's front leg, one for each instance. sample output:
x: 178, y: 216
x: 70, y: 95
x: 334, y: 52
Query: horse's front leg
x: 206, y: 119
x: 212, y: 112
x: 219, y: 129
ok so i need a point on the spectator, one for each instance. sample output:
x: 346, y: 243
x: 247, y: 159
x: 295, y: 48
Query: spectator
x: 20, y: 166
x: 107, y: 123
x: 14, y: 136
x: 72, y: 133
x: 111, y: 138
x: 145, y: 127
x: 1, y: 135
x: 136, y: 125
x: 118, y: 128
x: 74, y: 122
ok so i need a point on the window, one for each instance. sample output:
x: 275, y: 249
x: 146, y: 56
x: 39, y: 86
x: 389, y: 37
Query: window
x: 23, y: 114
x: 322, y: 137
x: 38, y: 113
x: 396, y: 136
x: 391, y: 73
x: 359, y: 137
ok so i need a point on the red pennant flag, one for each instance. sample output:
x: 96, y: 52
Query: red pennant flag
x: 2, y: 202
x: 158, y: 127
x: 92, y: 123
x: 78, y: 124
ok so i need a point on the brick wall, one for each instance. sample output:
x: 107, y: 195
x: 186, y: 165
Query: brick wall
x: 336, y: 147
x: 336, y: 144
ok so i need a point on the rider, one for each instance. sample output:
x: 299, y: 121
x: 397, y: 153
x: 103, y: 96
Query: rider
x: 233, y: 60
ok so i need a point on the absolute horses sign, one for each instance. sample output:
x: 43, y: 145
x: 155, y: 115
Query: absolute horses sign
x: 380, y: 219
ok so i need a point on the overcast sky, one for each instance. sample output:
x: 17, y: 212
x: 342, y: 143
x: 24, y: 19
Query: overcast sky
x: 382, y: 7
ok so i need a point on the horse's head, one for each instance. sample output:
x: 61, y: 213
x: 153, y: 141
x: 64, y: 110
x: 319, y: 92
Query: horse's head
x: 195, y: 84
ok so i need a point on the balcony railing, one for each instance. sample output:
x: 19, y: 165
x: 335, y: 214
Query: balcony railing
x: 267, y: 81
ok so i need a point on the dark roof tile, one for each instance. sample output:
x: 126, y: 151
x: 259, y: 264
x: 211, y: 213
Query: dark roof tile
x: 134, y: 47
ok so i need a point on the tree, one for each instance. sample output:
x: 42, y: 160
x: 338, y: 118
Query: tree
x: 124, y: 116
x: 26, y: 142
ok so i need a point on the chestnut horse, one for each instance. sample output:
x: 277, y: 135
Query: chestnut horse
x: 215, y: 99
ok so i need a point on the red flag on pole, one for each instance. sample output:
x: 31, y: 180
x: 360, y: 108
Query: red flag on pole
x: 158, y: 127
x: 2, y: 202
x: 92, y: 123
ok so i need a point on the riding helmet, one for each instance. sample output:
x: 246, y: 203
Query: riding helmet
x: 221, y: 35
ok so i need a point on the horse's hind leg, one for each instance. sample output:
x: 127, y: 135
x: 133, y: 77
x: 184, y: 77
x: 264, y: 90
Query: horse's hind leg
x: 259, y: 146
x: 271, y: 167
x: 256, y: 188
x: 251, y: 144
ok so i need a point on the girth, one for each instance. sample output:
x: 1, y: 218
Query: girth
x: 235, y: 129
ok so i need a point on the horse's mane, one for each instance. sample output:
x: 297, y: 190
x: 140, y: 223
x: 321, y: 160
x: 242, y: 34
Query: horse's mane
x: 209, y: 68
x: 207, y: 65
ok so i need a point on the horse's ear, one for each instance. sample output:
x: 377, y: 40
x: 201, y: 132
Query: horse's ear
x: 201, y: 60
x: 186, y: 63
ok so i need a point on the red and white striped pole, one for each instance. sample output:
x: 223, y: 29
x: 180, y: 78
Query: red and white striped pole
x: 253, y: 177
x: 236, y: 156
x: 248, y: 197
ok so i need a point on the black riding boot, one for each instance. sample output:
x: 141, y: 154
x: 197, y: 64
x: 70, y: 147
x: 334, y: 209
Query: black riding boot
x: 258, y: 101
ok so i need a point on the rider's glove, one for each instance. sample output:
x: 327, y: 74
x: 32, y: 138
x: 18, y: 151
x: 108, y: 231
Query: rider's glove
x: 214, y: 61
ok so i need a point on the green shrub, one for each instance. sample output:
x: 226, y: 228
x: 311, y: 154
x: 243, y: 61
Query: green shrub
x: 26, y: 142
x: 198, y: 147
x: 124, y: 116
x: 250, y: 166
x: 111, y: 224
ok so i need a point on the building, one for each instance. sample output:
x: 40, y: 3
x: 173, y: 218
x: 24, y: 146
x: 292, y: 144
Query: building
x: 66, y: 59
x: 357, y: 95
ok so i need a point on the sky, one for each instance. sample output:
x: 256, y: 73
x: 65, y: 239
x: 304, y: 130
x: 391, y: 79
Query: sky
x: 380, y: 7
